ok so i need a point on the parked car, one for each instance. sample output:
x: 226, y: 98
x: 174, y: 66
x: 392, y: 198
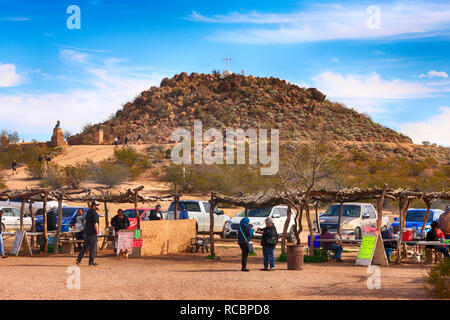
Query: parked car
x: 199, y: 211
x: 257, y: 217
x: 355, y: 217
x: 67, y: 214
x: 36, y: 207
x: 11, y: 219
x: 131, y: 215
x: 415, y: 217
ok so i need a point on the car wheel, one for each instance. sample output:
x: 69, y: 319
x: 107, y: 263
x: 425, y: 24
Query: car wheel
x: 358, y: 234
x: 222, y: 234
x: 291, y: 235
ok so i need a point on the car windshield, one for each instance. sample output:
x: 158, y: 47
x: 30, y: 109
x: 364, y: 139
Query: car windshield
x: 262, y: 212
x: 348, y: 211
x: 190, y: 206
x: 418, y: 216
x: 132, y: 213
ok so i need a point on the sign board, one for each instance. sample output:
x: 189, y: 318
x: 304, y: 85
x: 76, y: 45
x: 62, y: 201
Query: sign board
x: 125, y: 240
x: 137, y: 244
x: 21, y: 239
x: 372, y: 251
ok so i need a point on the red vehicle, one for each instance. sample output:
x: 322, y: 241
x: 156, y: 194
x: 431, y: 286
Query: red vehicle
x: 131, y: 215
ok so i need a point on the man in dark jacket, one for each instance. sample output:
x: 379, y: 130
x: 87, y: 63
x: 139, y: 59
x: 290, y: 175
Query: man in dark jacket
x: 90, y: 235
x: 244, y: 237
x: 120, y: 221
x: 51, y: 219
x: 155, y: 214
x: 269, y: 240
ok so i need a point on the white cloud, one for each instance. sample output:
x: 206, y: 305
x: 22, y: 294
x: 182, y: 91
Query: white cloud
x: 434, y: 74
x: 8, y: 75
x: 104, y: 89
x: 368, y: 92
x: 434, y: 129
x: 333, y: 22
x: 73, y: 57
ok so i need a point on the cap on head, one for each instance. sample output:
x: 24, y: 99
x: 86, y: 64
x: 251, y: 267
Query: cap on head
x: 94, y: 203
x: 269, y: 221
x: 447, y: 208
x: 158, y: 206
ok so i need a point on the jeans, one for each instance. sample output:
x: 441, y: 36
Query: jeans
x: 268, y: 257
x: 91, y: 243
x: 244, y: 249
x: 337, y: 250
x: 2, y: 250
x: 443, y: 250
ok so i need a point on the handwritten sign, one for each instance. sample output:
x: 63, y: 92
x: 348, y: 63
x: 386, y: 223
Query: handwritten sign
x: 21, y: 238
x: 125, y: 240
x: 371, y: 251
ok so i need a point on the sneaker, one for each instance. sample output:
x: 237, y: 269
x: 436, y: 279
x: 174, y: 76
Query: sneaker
x: 339, y: 260
x: 93, y: 264
x: 245, y: 269
x: 78, y: 263
x: 264, y: 269
x: 272, y: 269
x: 4, y: 256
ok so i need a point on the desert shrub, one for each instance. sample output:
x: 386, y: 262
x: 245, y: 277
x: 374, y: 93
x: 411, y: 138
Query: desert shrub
x: 126, y: 155
x: 36, y: 170
x: 76, y: 174
x: 110, y: 174
x: 2, y: 183
x: 438, y: 280
x: 54, y: 177
x: 180, y: 177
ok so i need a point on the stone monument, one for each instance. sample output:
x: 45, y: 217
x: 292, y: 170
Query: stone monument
x: 57, y: 137
x: 98, y: 138
x: 3, y: 142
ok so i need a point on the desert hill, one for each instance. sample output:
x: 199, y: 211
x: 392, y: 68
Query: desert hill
x: 237, y: 101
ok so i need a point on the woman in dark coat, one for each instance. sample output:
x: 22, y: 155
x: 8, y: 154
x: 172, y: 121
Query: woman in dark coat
x: 244, y: 237
x: 269, y: 240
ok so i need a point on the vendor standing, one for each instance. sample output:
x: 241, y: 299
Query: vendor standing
x: 444, y: 222
x: 77, y: 222
x: 119, y: 222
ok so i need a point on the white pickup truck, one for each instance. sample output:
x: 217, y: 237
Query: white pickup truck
x: 199, y: 211
x: 355, y: 217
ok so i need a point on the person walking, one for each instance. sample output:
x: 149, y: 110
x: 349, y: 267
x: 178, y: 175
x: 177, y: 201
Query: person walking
x: 2, y: 249
x: 245, y: 234
x: 183, y: 213
x: 125, y: 141
x: 139, y: 137
x: 444, y: 222
x: 14, y: 167
x: 269, y: 240
x: 90, y: 235
x: 116, y: 142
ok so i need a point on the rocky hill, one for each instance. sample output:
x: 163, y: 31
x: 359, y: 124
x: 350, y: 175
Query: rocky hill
x: 237, y: 101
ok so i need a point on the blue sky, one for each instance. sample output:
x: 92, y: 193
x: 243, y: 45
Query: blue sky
x: 390, y: 61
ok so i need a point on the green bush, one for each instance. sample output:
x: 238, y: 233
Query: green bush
x: 110, y: 174
x: 76, y: 174
x: 316, y: 258
x: 438, y: 280
x: 36, y: 170
x: 54, y: 177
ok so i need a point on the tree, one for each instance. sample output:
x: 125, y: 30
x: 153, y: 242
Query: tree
x: 12, y: 136
x: 67, y: 134
x: 304, y: 166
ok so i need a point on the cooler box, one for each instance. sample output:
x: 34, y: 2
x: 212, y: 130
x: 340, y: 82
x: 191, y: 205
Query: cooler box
x: 316, y: 243
x: 407, y: 235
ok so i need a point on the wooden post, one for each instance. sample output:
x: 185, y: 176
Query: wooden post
x: 175, y: 208
x: 33, y: 223
x: 22, y: 209
x: 58, y: 230
x: 246, y: 212
x: 380, y: 209
x: 286, y: 226
x: 311, y: 232
x: 341, y: 211
x: 212, y: 205
x: 44, y: 215
x: 428, y: 203
x: 137, y: 212
x: 317, y: 216
x: 106, y: 215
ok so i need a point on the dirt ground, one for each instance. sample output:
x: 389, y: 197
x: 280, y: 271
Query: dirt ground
x: 192, y: 276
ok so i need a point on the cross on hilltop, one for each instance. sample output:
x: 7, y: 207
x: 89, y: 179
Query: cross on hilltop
x: 227, y: 59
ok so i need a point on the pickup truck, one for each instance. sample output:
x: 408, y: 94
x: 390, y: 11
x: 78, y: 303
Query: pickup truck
x: 355, y: 217
x: 414, y: 219
x: 199, y: 211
